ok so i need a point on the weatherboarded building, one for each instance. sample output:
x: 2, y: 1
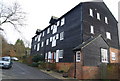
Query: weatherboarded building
x: 87, y: 32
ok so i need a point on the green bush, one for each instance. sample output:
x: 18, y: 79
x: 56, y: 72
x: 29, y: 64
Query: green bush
x: 38, y: 58
x: 34, y: 64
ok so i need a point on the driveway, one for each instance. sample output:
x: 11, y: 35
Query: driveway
x: 22, y: 71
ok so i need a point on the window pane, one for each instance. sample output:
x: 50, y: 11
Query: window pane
x: 91, y: 12
x: 60, y: 53
x: 53, y: 43
x: 61, y: 35
x: 34, y: 47
x: 58, y: 23
x: 46, y: 55
x: 92, y: 29
x: 43, y: 34
x: 104, y: 55
x: 62, y: 21
x: 113, y: 56
x: 54, y: 29
x: 108, y: 35
x: 57, y: 36
x: 106, y: 20
x: 51, y: 39
x: 42, y: 44
x: 47, y: 41
x: 48, y: 30
x: 38, y: 46
x: 98, y: 16
x: 39, y: 36
x: 78, y: 56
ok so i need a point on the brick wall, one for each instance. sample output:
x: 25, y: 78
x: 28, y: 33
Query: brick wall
x: 116, y: 51
x: 63, y: 66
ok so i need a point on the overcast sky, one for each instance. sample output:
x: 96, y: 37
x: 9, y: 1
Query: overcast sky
x: 39, y: 13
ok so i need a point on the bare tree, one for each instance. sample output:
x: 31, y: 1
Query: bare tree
x: 12, y: 15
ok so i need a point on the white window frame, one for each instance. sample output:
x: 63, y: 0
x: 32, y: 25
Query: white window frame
x: 113, y: 56
x: 54, y: 41
x: 106, y: 20
x: 52, y: 26
x: 42, y: 44
x: 36, y: 38
x: 51, y: 39
x: 62, y: 21
x: 104, y: 55
x: 92, y: 29
x: 58, y: 23
x: 61, y: 53
x: 62, y: 36
x: 108, y: 35
x: 43, y: 34
x: 54, y: 29
x: 46, y: 56
x: 57, y: 36
x: 48, y: 30
x: 98, y: 16
x: 47, y: 41
x: 34, y: 47
x: 78, y: 56
x: 91, y: 12
x: 38, y: 46
x: 49, y: 55
x: 39, y: 37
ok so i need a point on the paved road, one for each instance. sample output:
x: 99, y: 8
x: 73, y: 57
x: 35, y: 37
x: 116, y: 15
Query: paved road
x: 22, y: 71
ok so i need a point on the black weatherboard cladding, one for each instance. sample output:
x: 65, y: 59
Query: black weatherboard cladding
x: 77, y: 30
x: 100, y: 27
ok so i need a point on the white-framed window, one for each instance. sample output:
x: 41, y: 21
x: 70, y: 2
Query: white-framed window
x: 48, y: 30
x: 36, y: 38
x: 49, y: 55
x: 38, y: 46
x: 39, y: 37
x: 54, y: 29
x: 57, y: 36
x: 113, y: 56
x: 58, y: 23
x: 51, y: 39
x: 54, y: 41
x: 60, y: 53
x: 104, y: 55
x: 91, y: 12
x: 42, y: 44
x: 43, y: 33
x: 61, y: 35
x: 34, y: 47
x: 108, y: 35
x: 46, y: 55
x: 47, y: 41
x: 106, y: 20
x: 92, y: 29
x: 78, y: 56
x: 62, y: 21
x: 98, y: 16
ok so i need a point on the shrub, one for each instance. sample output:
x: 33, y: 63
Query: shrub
x: 34, y: 64
x: 38, y: 58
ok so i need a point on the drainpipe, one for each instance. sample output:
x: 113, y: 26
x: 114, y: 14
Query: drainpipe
x: 75, y: 65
